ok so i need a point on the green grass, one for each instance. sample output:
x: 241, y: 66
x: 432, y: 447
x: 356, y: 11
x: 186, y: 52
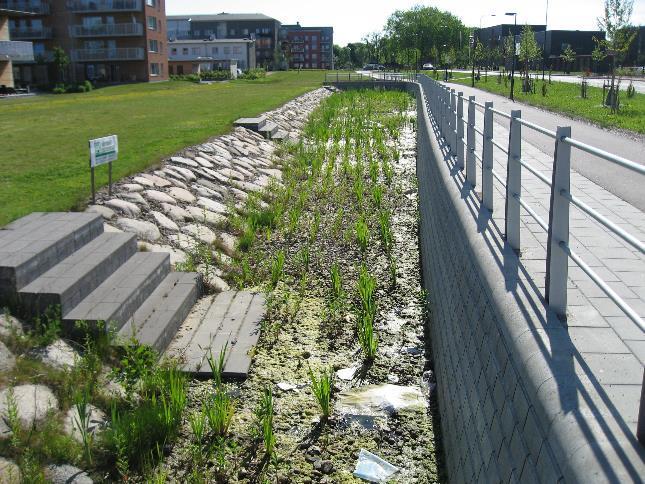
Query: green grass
x: 44, y: 163
x: 563, y: 97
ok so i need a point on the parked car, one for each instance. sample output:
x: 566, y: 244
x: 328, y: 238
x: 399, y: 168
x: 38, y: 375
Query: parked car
x: 370, y: 67
x: 428, y: 67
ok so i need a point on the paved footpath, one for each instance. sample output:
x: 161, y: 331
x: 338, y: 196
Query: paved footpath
x: 619, y: 181
x: 610, y: 345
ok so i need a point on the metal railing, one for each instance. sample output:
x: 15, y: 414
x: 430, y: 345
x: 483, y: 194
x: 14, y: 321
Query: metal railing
x: 16, y: 51
x: 107, y: 30
x: 104, y: 5
x: 39, y: 8
x: 373, y: 76
x: 459, y: 131
x: 31, y: 33
x: 125, y: 53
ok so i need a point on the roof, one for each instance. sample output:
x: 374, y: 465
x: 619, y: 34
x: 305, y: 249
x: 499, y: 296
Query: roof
x: 297, y: 27
x: 208, y: 41
x: 7, y: 12
x: 223, y: 17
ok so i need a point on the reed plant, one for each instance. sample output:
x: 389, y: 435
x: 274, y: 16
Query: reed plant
x: 322, y: 387
x: 362, y: 235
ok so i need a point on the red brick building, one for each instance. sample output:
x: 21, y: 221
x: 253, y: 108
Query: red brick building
x: 307, y: 47
x: 107, y: 41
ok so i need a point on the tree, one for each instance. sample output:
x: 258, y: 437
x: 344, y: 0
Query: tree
x: 568, y: 57
x: 529, y: 52
x: 61, y: 61
x: 616, y: 16
x: 478, y: 56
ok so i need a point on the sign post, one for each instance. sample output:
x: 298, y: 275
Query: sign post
x: 103, y: 150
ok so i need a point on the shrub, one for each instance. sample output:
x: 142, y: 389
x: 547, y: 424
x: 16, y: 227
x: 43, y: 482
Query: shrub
x: 253, y: 74
x: 59, y: 89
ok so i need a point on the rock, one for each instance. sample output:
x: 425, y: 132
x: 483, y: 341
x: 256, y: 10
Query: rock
x: 200, y: 232
x: 164, y: 222
x: 216, y: 282
x: 143, y: 181
x: 105, y: 212
x: 33, y: 402
x: 346, y: 374
x: 176, y: 213
x: 203, y: 161
x: 67, y: 474
x: 134, y: 198
x: 143, y: 230
x: 185, y: 172
x: 176, y: 256
x: 286, y: 387
x: 230, y: 174
x: 7, y: 359
x: 96, y: 423
x: 324, y: 466
x: 9, y: 472
x: 160, y: 197
x: 207, y: 192
x: 127, y: 208
x: 212, y: 205
x: 239, y: 194
x: 10, y: 325
x: 227, y: 243
x: 182, y: 195
x: 206, y: 216
x: 184, y: 161
x: 132, y: 187
x: 157, y: 181
x: 59, y: 355
x: 184, y: 241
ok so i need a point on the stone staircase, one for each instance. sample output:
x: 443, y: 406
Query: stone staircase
x: 268, y: 129
x: 67, y: 260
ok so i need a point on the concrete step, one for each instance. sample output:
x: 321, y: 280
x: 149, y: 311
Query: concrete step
x: 155, y: 323
x: 71, y: 280
x: 34, y: 244
x: 253, y: 124
x: 120, y: 295
x: 229, y: 317
x: 269, y: 129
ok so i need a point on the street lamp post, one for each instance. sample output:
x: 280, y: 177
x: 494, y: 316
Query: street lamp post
x: 445, y: 64
x: 471, y: 45
x: 514, y: 14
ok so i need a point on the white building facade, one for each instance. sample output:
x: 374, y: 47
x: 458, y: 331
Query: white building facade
x: 193, y: 56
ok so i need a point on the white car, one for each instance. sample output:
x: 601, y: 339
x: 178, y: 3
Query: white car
x: 428, y: 67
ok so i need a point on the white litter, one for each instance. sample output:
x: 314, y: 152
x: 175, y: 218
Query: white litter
x: 346, y: 374
x: 372, y: 468
x: 286, y: 387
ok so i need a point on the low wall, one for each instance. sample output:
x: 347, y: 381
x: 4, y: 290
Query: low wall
x: 515, y: 405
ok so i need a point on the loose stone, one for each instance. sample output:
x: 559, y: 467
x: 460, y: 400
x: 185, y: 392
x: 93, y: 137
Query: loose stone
x: 132, y: 187
x: 176, y: 213
x: 67, y: 474
x: 7, y: 359
x: 59, y: 355
x: 10, y: 325
x: 9, y: 472
x: 201, y: 232
x: 33, y: 402
x: 206, y: 216
x: 94, y: 417
x: 159, y: 197
x: 164, y: 222
x: 182, y: 195
x: 105, y: 212
x: 212, y: 205
x: 126, y: 208
x: 143, y: 230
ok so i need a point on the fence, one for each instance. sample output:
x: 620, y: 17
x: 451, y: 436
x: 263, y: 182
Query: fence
x: 455, y: 116
x: 372, y: 76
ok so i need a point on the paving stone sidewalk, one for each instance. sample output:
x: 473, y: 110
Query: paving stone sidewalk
x: 610, y: 345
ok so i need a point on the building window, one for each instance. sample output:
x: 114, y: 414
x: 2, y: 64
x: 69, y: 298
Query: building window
x: 265, y: 30
x: 215, y: 50
x: 151, y: 3
x: 245, y: 31
x: 237, y: 50
x: 174, y: 51
x: 195, y: 50
x: 227, y: 50
x: 171, y: 70
x: 153, y: 45
x: 154, y: 69
x: 231, y: 32
x: 152, y: 23
x: 184, y: 51
x: 314, y: 38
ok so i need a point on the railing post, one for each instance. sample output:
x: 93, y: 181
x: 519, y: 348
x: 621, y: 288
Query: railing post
x: 487, y: 157
x: 471, y: 166
x: 514, y: 182
x: 460, y: 130
x: 640, y: 426
x: 453, y: 123
x: 444, y: 114
x: 557, y: 259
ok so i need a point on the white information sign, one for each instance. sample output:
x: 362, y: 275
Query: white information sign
x: 103, y: 150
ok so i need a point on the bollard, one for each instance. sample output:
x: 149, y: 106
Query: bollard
x: 471, y: 165
x: 487, y: 158
x: 460, y: 130
x: 557, y: 259
x: 514, y: 182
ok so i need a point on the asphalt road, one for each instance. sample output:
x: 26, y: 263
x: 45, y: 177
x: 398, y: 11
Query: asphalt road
x: 620, y: 181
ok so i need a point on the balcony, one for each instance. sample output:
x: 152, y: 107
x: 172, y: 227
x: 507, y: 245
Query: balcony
x: 32, y: 33
x: 118, y: 54
x: 39, y: 8
x: 16, y: 51
x: 107, y: 30
x: 92, y: 6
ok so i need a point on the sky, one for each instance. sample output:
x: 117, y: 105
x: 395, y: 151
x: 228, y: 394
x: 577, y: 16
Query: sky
x: 353, y: 19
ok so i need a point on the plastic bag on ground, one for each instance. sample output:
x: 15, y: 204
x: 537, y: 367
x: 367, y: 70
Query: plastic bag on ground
x: 372, y: 468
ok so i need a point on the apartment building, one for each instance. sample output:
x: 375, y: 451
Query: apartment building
x: 254, y: 26
x: 308, y: 47
x: 11, y: 51
x: 193, y: 56
x: 107, y: 41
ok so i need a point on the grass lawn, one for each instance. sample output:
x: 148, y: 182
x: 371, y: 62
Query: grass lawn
x: 44, y: 164
x: 565, y: 98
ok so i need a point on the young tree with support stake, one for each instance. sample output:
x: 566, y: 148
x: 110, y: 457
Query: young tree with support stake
x: 568, y: 57
x: 529, y: 52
